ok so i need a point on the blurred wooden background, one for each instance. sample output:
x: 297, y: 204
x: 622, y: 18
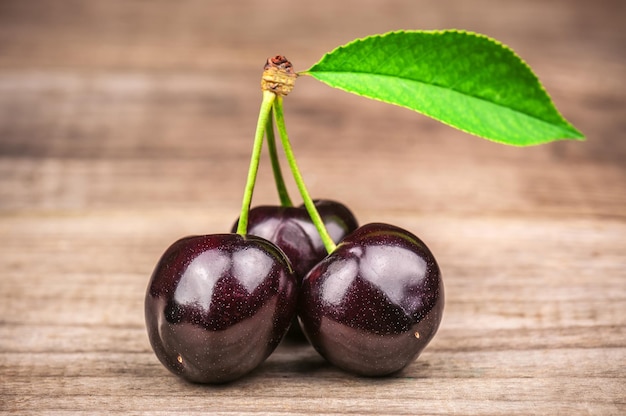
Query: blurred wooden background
x: 125, y: 125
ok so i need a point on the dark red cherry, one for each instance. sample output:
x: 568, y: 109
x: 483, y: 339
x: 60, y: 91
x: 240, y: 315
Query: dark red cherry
x: 291, y: 229
x: 374, y: 303
x: 218, y: 305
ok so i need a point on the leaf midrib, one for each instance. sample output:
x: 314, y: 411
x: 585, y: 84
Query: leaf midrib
x: 564, y: 124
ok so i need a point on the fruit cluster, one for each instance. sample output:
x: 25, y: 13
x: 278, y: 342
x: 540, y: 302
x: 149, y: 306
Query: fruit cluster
x: 368, y: 298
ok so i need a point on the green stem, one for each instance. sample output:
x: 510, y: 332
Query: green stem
x: 266, y: 108
x: 283, y: 194
x: 306, y: 198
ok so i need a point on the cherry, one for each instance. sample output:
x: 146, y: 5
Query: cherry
x: 372, y: 305
x: 218, y: 305
x: 292, y: 230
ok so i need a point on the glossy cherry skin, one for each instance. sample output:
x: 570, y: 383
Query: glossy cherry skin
x: 291, y: 229
x: 374, y: 303
x: 218, y: 305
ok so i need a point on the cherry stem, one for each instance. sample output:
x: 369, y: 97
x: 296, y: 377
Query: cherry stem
x: 306, y: 198
x: 264, y: 115
x: 283, y: 194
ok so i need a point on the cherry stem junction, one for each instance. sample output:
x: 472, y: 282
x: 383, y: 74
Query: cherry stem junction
x: 277, y: 81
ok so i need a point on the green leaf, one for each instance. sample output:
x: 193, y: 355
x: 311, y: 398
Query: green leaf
x: 463, y: 79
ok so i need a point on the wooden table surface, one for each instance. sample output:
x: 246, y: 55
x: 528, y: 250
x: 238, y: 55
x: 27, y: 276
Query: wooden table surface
x: 125, y: 125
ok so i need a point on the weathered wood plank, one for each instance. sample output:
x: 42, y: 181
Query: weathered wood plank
x: 427, y: 184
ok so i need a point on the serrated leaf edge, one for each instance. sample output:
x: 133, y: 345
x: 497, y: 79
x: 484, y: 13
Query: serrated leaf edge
x: 577, y: 135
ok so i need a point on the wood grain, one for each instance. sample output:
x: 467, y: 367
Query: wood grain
x: 126, y: 125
